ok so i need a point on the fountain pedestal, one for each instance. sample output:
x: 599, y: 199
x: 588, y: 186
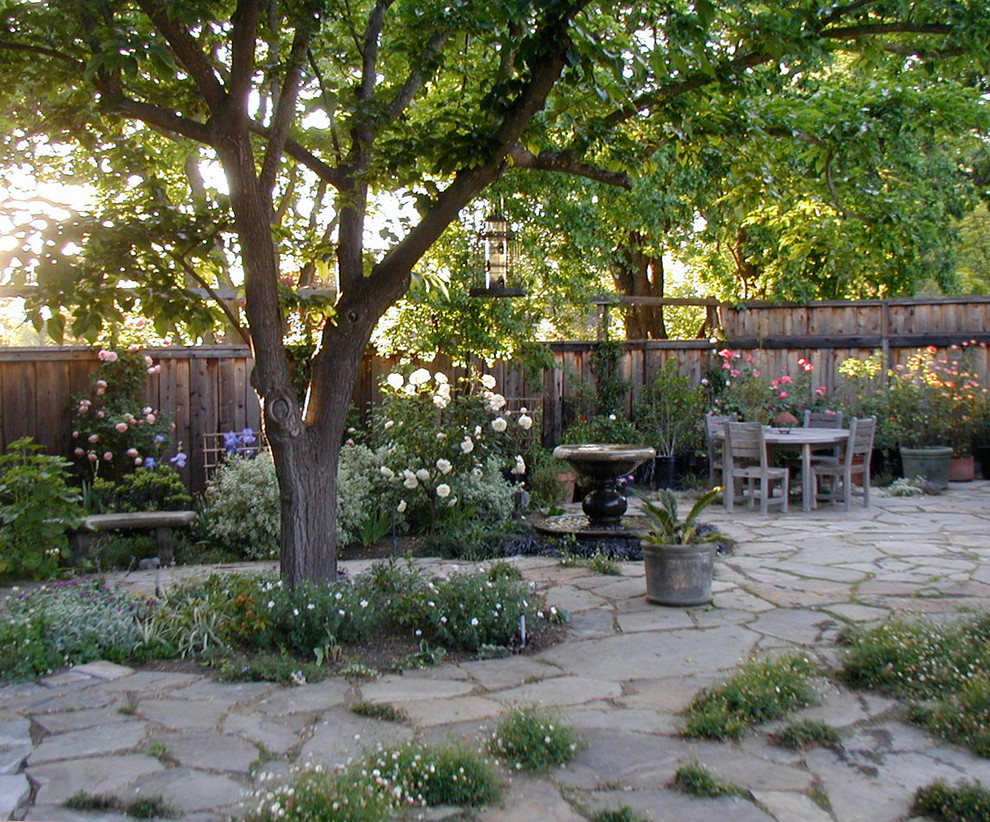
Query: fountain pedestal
x: 603, y: 465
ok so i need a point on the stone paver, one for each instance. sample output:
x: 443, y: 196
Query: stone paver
x: 621, y: 678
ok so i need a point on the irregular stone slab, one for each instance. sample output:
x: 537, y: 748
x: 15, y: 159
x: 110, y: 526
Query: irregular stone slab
x: 573, y: 599
x: 101, y: 669
x: 591, y: 624
x: 858, y: 613
x: 14, y: 731
x: 211, y: 752
x: 529, y: 800
x: 342, y: 735
x: 667, y: 695
x: 507, y: 673
x: 656, y: 619
x: 305, y: 699
x: 58, y: 813
x: 655, y: 655
x: 627, y: 720
x: 561, y: 690
x: 98, y: 741
x: 791, y: 806
x: 224, y: 691
x: 609, y: 759
x: 91, y: 695
x: 14, y: 791
x: 841, y: 707
x: 673, y: 805
x: 428, y: 713
x: 188, y: 790
x: 148, y: 682
x: 184, y: 714
x: 65, y: 678
x: 276, y: 736
x: 106, y: 774
x: 403, y: 689
x: 799, y: 627
x: 12, y: 757
x: 77, y: 720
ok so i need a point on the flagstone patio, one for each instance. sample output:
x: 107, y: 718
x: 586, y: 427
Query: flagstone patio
x: 622, y: 675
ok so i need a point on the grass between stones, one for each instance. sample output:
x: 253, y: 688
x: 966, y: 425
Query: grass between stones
x: 696, y: 780
x: 759, y: 691
x: 807, y: 733
x: 942, y: 671
x: 146, y: 807
x: 534, y: 740
x: 962, y: 803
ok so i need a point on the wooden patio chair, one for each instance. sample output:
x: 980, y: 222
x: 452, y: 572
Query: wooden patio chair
x: 746, y: 463
x: 834, y: 482
x: 824, y: 419
x: 713, y: 428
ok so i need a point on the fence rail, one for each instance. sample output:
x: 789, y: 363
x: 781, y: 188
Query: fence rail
x: 206, y: 390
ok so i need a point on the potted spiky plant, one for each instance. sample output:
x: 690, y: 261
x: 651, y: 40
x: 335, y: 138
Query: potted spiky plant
x: 679, y: 554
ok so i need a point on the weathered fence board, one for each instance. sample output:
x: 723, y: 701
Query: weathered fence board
x: 207, y: 390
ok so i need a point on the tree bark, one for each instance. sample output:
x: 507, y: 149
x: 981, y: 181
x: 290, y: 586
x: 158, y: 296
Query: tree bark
x: 640, y: 274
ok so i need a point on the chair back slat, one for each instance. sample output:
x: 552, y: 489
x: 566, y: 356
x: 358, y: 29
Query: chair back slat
x: 861, y: 434
x: 823, y: 419
x: 744, y: 441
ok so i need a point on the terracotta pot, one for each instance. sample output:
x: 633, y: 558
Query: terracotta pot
x: 785, y: 418
x: 962, y: 469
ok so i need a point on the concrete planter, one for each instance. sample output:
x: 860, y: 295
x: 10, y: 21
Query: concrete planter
x: 679, y: 575
x: 932, y: 463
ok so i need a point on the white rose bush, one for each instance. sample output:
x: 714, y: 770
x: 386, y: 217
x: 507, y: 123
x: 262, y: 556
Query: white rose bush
x: 447, y: 445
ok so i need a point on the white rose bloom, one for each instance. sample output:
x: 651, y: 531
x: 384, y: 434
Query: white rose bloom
x: 441, y: 401
x: 496, y: 402
x: 410, y: 482
x: 441, y: 435
x: 468, y: 445
x: 520, y: 466
x: 525, y: 422
x: 409, y: 389
x: 477, y: 430
x: 452, y: 501
x: 443, y: 490
x: 444, y: 466
x: 419, y: 377
x: 477, y: 473
x: 499, y: 424
x: 422, y: 475
x: 440, y: 378
x: 401, y: 507
x: 444, y: 389
x: 395, y: 381
x: 488, y: 381
x: 611, y: 416
x: 389, y: 424
x: 386, y: 472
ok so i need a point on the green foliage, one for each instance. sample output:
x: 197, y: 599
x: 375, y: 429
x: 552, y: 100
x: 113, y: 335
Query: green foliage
x: 623, y: 814
x: 942, y: 670
x: 243, y: 508
x: 533, y: 740
x: 758, y: 692
x: 667, y: 529
x: 379, y: 710
x: 157, y: 489
x: 669, y: 412
x: 968, y: 802
x: 145, y: 807
x: 696, y: 780
x: 807, y: 733
x: 285, y: 670
x: 365, y: 498
x: 37, y: 508
x: 609, y: 428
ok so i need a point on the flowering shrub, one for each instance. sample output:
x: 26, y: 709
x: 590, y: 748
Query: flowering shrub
x: 243, y: 508
x: 113, y: 433
x: 435, y: 435
x: 364, y: 495
x: 37, y: 507
x: 738, y: 386
x: 534, y: 740
x: 155, y: 489
x: 936, y: 400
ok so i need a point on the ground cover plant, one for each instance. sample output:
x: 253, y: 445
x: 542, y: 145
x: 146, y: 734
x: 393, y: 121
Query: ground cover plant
x: 696, y: 780
x: 806, y: 733
x: 254, y: 627
x: 759, y: 691
x: 534, y: 740
x: 144, y: 807
x: 381, y: 784
x: 943, y: 671
x: 952, y: 803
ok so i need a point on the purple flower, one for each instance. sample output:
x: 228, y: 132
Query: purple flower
x: 150, y: 462
x: 231, y: 441
x: 179, y: 460
x: 247, y: 436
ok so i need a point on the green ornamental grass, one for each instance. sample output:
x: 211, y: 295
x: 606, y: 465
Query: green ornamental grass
x: 696, y: 780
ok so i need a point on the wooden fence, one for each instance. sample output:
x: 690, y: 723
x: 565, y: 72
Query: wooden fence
x: 206, y: 390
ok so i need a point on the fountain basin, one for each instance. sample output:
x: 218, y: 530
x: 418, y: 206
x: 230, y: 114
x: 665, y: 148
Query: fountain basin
x: 603, y: 464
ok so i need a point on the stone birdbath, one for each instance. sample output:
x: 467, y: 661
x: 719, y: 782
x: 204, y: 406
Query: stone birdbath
x: 603, y: 464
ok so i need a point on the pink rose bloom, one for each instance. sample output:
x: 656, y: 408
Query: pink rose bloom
x: 92, y: 457
x: 133, y: 348
x: 150, y: 418
x: 734, y: 372
x: 121, y: 427
x: 148, y: 360
x: 94, y: 437
x: 138, y: 461
x: 100, y: 414
x: 100, y: 392
x: 79, y: 452
x: 106, y: 356
x: 132, y: 452
x: 784, y: 395
x: 108, y: 455
x: 75, y: 434
x: 101, y: 383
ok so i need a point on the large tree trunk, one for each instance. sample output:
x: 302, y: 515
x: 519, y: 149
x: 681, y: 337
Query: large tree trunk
x: 640, y: 274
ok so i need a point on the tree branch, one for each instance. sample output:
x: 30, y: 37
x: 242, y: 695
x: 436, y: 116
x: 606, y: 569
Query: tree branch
x: 567, y: 162
x: 245, y: 21
x: 852, y: 32
x: 369, y: 50
x: 232, y: 318
x: 187, y: 51
x: 161, y: 118
x: 414, y: 82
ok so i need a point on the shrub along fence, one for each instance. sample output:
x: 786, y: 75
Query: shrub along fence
x: 206, y: 390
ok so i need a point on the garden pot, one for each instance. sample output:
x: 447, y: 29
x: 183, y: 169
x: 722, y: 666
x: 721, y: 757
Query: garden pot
x: 679, y: 575
x: 932, y: 463
x: 983, y: 458
x: 962, y: 469
x: 663, y: 471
